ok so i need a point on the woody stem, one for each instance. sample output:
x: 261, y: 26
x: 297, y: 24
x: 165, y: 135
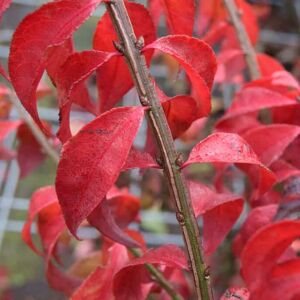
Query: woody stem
x: 130, y: 48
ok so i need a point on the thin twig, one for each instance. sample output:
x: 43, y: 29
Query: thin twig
x: 35, y: 130
x: 159, y: 278
x: 249, y: 51
x: 131, y: 49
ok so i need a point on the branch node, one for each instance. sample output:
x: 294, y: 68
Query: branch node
x: 119, y: 47
x: 179, y: 160
x: 240, y: 13
x: 207, y: 273
x: 144, y: 101
x: 159, y: 161
x: 140, y: 43
x: 180, y: 218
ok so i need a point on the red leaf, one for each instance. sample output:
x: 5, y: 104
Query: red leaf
x: 30, y: 152
x: 57, y: 56
x: 92, y: 160
x: 287, y: 115
x: 60, y: 281
x: 181, y: 112
x: 155, y: 9
x: 48, y: 26
x: 284, y: 78
x: 50, y: 226
x: 268, y: 65
x: 3, y: 73
x: 220, y: 212
x: 239, y: 124
x: 114, y: 214
x: 102, y: 219
x: 283, y: 283
x: 215, y: 12
x: 114, y: 78
x: 180, y: 15
x: 125, y: 209
x: 194, y: 131
x: 4, y: 4
x: 200, y: 71
x: 253, y: 99
x: 292, y: 153
x: 70, y: 77
x: 270, y: 149
x: 138, y: 159
x: 100, y: 282
x: 231, y: 63
x: 180, y: 283
x: 281, y: 81
x: 128, y: 281
x: 42, y: 199
x: 216, y: 32
x: 263, y: 250
x: 229, y: 148
x: 283, y: 170
x: 290, y: 267
x: 77, y: 67
x: 6, y: 127
x: 250, y: 22
x: 236, y: 293
x: 257, y: 218
x: 209, y: 11
x: 187, y: 50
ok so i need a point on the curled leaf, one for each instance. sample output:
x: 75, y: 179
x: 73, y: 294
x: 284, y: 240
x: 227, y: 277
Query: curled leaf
x: 230, y: 148
x: 220, y: 212
x: 201, y: 72
x: 186, y: 50
x: 181, y: 112
x: 69, y: 79
x: 253, y: 99
x: 92, y: 160
x: 102, y: 219
x: 129, y: 280
x: 30, y: 152
x: 180, y: 15
x: 6, y: 127
x: 270, y: 149
x: 50, y: 25
x: 264, y: 248
x: 44, y: 203
x: 139, y: 159
x: 257, y: 218
x: 100, y: 282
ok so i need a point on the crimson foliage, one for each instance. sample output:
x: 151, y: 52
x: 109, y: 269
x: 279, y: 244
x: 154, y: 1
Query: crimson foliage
x: 93, y: 158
